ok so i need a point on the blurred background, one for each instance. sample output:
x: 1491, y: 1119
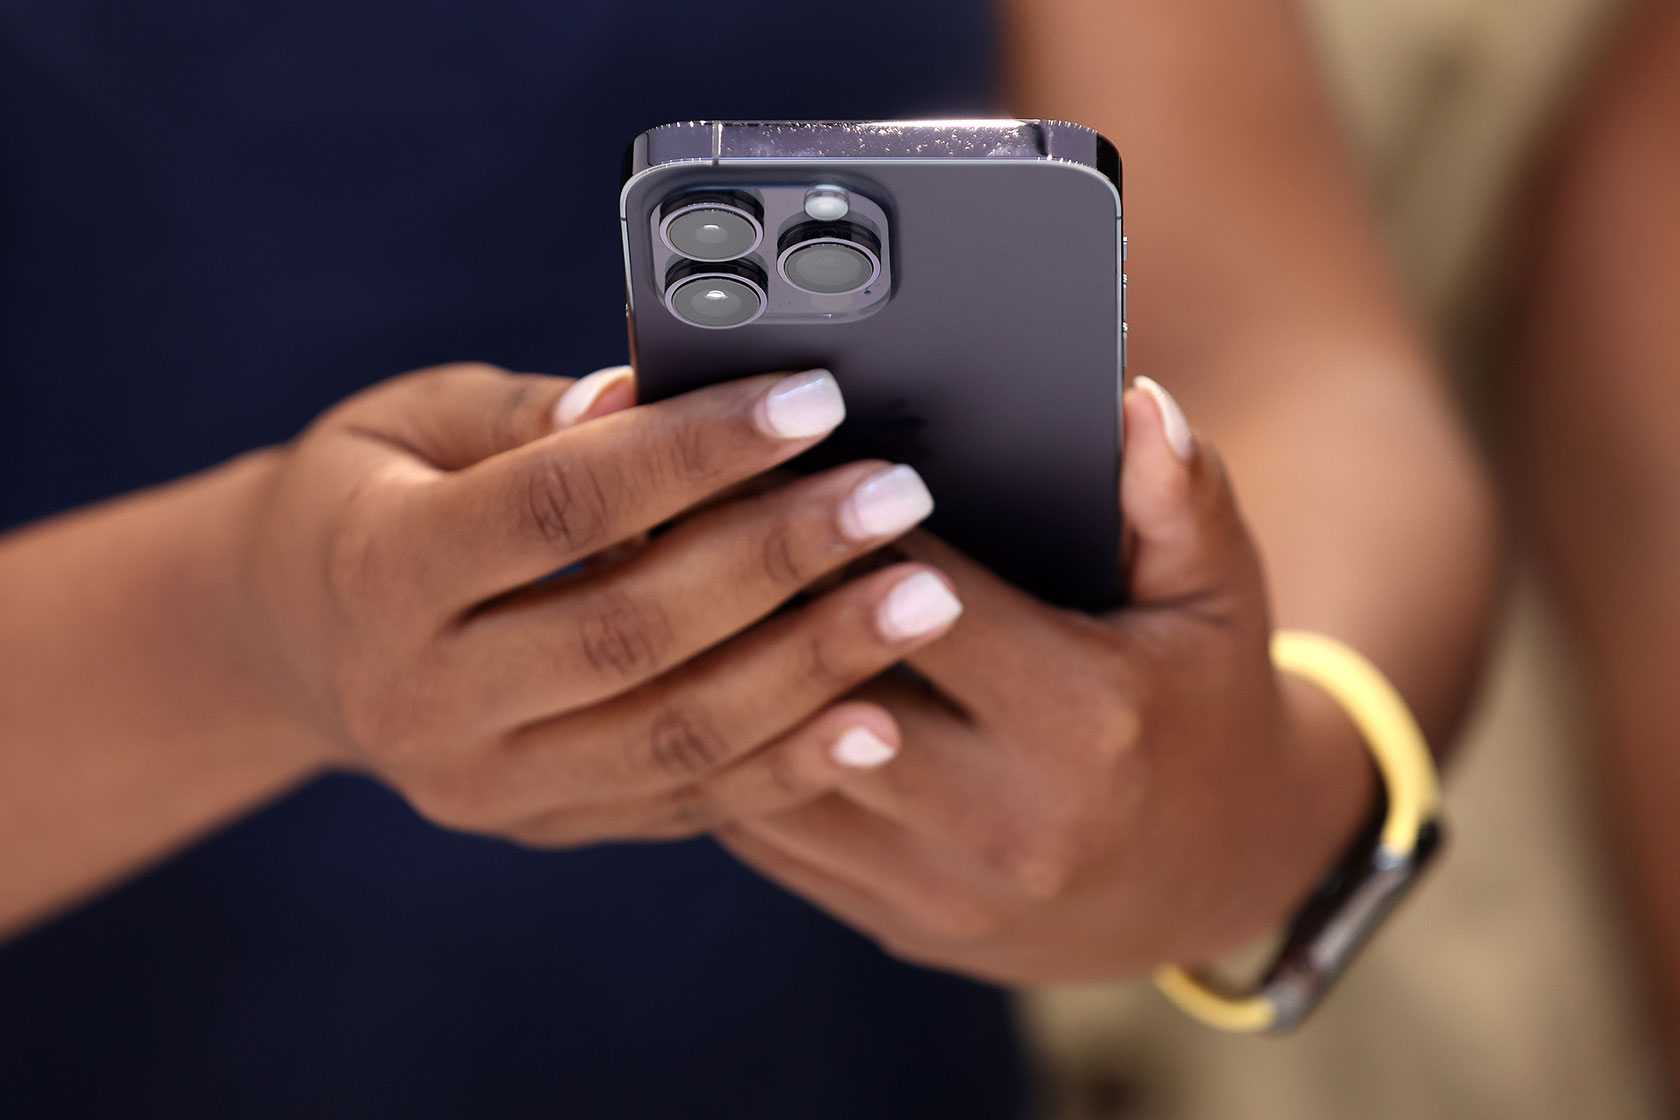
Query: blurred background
x: 1518, y: 932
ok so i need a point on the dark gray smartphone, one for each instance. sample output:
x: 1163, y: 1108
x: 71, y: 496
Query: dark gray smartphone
x: 963, y: 281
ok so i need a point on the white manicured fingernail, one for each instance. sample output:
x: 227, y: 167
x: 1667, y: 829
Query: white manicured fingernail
x: 802, y: 405
x: 885, y: 504
x: 574, y: 402
x: 1172, y: 418
x: 919, y: 605
x: 861, y: 749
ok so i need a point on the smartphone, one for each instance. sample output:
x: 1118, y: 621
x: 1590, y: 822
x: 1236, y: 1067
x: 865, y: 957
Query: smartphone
x: 963, y: 281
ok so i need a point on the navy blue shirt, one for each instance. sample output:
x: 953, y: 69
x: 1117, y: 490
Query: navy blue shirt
x: 216, y: 219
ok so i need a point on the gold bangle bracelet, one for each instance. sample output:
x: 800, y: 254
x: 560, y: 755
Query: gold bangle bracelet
x: 1338, y: 920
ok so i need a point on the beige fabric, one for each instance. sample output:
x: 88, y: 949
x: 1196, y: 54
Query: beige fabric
x: 1502, y: 989
x: 1443, y: 100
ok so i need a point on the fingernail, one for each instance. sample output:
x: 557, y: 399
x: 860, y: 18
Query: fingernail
x: 919, y: 605
x: 1172, y: 418
x: 861, y: 749
x: 803, y: 405
x: 885, y: 504
x: 576, y: 401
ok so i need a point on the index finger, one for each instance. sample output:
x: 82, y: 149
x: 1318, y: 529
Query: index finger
x: 1008, y: 648
x: 536, y: 509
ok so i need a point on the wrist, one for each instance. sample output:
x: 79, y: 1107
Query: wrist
x: 1322, y: 791
x: 212, y: 571
x: 1333, y: 782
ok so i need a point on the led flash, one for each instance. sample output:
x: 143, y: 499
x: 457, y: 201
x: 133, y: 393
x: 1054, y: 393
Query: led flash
x: 827, y: 204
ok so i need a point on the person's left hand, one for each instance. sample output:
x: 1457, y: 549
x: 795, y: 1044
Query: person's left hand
x: 1079, y: 798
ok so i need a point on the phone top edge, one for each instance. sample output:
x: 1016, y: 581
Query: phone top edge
x: 976, y: 139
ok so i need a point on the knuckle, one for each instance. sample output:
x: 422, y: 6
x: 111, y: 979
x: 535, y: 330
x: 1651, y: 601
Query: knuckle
x: 1117, y: 731
x: 556, y: 830
x: 462, y: 369
x: 692, y: 813
x: 381, y: 718
x: 566, y: 505
x: 683, y: 744
x: 825, y: 666
x: 360, y: 567
x: 909, y: 950
x: 692, y: 453
x: 436, y: 379
x: 1219, y: 510
x: 787, y: 778
x: 955, y: 917
x: 1042, y: 869
x: 424, y: 384
x: 624, y: 638
x: 1101, y: 715
x: 393, y: 708
x: 513, y: 423
x: 1216, y: 504
x: 449, y: 803
x: 780, y: 559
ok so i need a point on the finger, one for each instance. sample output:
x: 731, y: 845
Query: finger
x: 995, y: 658
x: 1002, y: 802
x: 852, y: 903
x: 936, y: 788
x: 725, y: 704
x: 576, y: 642
x: 1190, y: 546
x: 454, y: 416
x: 1190, y: 550
x: 958, y: 941
x: 809, y: 762
x: 601, y: 393
x: 832, y: 749
x: 538, y: 508
x: 931, y: 892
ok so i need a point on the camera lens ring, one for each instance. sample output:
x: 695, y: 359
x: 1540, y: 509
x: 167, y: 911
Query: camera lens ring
x: 846, y: 235
x: 738, y: 279
x: 733, y: 206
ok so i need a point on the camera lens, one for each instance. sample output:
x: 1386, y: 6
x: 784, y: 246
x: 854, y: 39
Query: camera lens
x: 712, y: 228
x: 829, y: 258
x: 715, y: 297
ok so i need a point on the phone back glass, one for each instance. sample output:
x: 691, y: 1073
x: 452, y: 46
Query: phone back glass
x: 993, y: 367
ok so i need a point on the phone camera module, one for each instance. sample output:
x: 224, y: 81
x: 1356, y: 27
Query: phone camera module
x: 712, y: 227
x: 829, y: 258
x: 715, y: 296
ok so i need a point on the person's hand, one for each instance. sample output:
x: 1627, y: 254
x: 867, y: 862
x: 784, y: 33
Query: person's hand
x: 396, y: 606
x: 1080, y: 798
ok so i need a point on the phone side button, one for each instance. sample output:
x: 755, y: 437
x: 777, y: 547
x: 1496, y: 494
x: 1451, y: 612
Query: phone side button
x: 1123, y: 320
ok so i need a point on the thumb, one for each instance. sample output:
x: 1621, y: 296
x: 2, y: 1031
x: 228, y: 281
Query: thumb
x: 1189, y: 543
x: 451, y: 417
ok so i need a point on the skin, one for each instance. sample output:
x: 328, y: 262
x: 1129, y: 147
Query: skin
x: 362, y: 599
x: 1074, y: 797
x: 1085, y: 799
x: 1592, y: 454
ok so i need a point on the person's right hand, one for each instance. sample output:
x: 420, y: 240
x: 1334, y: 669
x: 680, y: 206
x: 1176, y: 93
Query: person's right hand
x: 393, y: 577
